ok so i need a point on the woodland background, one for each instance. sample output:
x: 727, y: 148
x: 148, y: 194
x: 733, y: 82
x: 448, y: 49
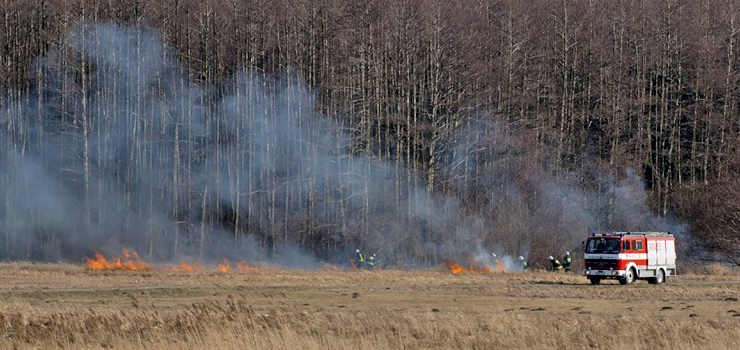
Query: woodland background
x: 513, y: 116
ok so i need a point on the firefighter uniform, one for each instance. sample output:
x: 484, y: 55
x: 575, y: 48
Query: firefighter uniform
x: 556, y: 265
x: 359, y: 259
x: 567, y: 261
x: 524, y: 263
x: 371, y: 262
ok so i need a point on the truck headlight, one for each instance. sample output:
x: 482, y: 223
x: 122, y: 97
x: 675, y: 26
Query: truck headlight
x: 587, y: 272
x: 614, y: 273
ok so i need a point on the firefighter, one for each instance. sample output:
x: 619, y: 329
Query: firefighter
x: 523, y: 263
x: 556, y: 265
x: 359, y: 259
x: 371, y: 262
x: 567, y: 261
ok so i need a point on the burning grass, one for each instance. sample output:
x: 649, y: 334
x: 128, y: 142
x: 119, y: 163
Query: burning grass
x: 130, y: 261
x: 473, y: 268
x: 185, y: 267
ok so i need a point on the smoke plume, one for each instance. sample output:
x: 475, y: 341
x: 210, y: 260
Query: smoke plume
x: 119, y: 144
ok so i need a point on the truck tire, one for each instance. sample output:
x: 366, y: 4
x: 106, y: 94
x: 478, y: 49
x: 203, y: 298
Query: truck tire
x: 628, y: 278
x: 659, y: 277
x: 594, y: 280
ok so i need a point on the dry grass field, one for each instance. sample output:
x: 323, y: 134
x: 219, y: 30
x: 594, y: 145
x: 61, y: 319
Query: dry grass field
x: 52, y: 306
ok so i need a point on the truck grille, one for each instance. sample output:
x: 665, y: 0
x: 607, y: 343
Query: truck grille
x: 599, y: 264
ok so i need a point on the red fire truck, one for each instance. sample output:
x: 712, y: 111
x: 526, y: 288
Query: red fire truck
x: 627, y: 256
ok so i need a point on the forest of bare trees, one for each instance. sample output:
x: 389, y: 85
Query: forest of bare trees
x: 420, y: 129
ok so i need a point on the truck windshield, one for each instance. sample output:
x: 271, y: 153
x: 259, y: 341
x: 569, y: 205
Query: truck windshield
x: 603, y: 245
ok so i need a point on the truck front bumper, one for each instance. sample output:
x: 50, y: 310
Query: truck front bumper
x: 604, y: 273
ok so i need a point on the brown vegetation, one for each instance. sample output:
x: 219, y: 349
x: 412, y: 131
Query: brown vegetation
x: 65, y: 307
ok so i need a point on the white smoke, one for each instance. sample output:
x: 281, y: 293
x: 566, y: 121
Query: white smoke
x: 119, y: 145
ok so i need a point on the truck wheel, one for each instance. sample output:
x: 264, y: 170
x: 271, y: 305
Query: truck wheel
x: 594, y: 280
x: 659, y: 277
x: 628, y: 278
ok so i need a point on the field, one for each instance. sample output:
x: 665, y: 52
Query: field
x: 58, y: 306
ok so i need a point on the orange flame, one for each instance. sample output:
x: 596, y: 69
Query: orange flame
x: 457, y: 268
x: 225, y: 267
x: 99, y: 262
x: 188, y: 267
x: 130, y: 261
x: 242, y: 266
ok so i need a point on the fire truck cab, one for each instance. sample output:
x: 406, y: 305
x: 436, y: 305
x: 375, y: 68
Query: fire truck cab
x: 627, y: 256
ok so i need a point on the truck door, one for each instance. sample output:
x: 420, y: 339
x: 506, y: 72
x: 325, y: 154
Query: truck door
x: 670, y: 249
x: 652, y: 254
x: 661, y: 255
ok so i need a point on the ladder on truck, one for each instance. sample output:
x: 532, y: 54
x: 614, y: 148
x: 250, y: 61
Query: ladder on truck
x: 645, y: 234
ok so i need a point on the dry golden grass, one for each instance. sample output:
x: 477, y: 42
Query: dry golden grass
x: 66, y: 307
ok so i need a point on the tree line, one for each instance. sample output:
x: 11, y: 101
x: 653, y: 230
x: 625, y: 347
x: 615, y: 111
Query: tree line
x: 520, y: 117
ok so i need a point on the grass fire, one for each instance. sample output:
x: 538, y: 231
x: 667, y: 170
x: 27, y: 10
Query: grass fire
x: 456, y: 268
x: 130, y: 261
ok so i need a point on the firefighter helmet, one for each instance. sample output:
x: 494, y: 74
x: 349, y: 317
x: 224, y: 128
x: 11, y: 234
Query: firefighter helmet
x: 521, y: 257
x: 550, y: 257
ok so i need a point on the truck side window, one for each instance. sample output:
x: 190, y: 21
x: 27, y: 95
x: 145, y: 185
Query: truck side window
x: 638, y: 245
x: 626, y: 245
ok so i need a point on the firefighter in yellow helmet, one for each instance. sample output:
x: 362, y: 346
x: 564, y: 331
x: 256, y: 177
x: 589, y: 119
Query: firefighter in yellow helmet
x: 556, y: 265
x: 523, y: 263
x: 567, y: 261
x: 359, y: 259
x: 371, y: 262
